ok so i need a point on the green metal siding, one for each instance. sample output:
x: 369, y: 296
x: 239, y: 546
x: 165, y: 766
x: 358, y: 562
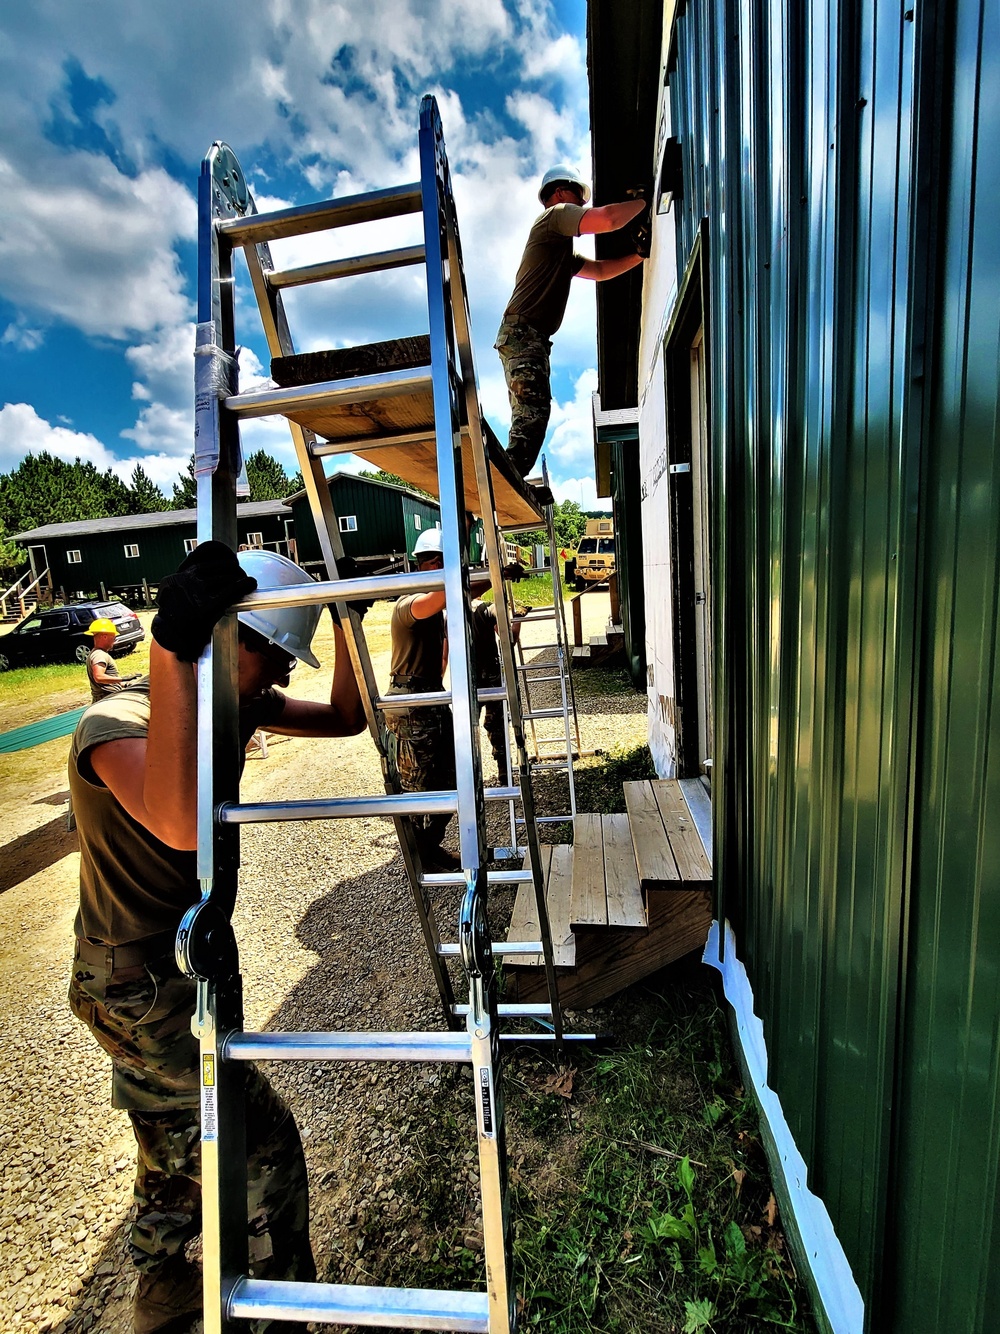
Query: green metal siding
x: 844, y: 156
x: 384, y: 516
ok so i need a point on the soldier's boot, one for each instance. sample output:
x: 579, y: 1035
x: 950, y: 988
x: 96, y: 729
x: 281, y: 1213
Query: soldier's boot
x: 167, y: 1298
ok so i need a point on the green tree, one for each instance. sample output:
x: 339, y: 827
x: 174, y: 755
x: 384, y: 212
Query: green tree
x: 569, y: 523
x: 144, y: 496
x: 185, y: 496
x: 11, y: 555
x: 43, y: 489
x: 268, y: 479
x: 395, y: 480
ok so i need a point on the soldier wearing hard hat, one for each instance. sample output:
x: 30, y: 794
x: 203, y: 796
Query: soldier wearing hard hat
x: 133, y: 779
x: 102, y: 670
x: 541, y: 289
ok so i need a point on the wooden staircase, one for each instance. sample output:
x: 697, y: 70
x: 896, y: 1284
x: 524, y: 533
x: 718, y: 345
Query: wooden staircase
x: 632, y: 894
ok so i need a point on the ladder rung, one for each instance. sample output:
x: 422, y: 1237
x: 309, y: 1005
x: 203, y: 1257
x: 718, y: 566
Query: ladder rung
x: 346, y: 1047
x: 418, y: 699
x: 344, y: 212
x: 329, y: 393
x: 499, y: 947
x: 493, y: 877
x: 537, y: 681
x: 525, y: 620
x: 542, y: 713
x: 344, y: 590
x: 346, y: 268
x: 324, y: 448
x: 546, y: 819
x: 502, y: 793
x: 538, y: 648
x: 514, y: 1011
x: 347, y: 1304
x: 338, y: 808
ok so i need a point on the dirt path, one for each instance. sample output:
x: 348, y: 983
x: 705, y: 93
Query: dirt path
x: 328, y: 939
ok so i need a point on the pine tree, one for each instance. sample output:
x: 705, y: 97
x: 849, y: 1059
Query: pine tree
x: 268, y: 479
x: 185, y: 495
x: 395, y: 480
x: 144, y: 496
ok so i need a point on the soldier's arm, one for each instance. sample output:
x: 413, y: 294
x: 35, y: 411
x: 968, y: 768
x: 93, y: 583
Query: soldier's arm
x: 425, y: 605
x: 610, y: 217
x: 155, y: 778
x: 102, y: 676
x: 600, y: 270
x: 343, y: 716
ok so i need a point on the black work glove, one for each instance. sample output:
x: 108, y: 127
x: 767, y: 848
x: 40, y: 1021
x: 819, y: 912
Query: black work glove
x: 208, y: 582
x: 348, y: 568
x: 639, y: 230
x: 514, y: 572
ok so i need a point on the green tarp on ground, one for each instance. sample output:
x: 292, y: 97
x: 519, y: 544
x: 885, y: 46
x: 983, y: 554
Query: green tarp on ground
x: 36, y: 734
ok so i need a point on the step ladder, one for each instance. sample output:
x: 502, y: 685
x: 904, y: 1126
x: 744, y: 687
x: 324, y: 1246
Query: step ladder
x: 416, y: 409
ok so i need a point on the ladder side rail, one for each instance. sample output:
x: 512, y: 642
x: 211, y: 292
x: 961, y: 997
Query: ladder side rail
x: 436, y: 192
x: 331, y: 548
x: 482, y: 1021
x: 491, y: 535
x: 219, y: 1005
x: 565, y: 676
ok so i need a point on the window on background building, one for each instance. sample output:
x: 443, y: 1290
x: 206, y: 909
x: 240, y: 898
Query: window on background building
x: 416, y: 522
x: 255, y: 539
x: 189, y: 545
x: 131, y: 551
x: 73, y: 558
x: 348, y: 523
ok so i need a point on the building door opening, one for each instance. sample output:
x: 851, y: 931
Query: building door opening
x: 688, y: 431
x: 702, y: 552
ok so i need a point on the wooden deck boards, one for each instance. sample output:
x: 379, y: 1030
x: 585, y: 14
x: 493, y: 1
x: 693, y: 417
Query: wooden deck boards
x: 621, y: 878
x: 685, y: 841
x: 656, y: 863
x: 557, y: 869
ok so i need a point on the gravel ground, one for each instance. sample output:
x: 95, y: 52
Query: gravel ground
x: 328, y: 939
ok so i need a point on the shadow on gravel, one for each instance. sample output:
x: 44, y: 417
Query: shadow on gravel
x: 104, y: 1303
x: 36, y: 851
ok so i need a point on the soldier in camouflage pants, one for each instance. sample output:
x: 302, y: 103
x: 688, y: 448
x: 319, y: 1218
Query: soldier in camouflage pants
x: 141, y: 1016
x: 425, y: 755
x: 525, y: 356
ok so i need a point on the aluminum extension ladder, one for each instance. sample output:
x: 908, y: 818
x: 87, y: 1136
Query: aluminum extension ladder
x: 206, y: 944
x: 553, y: 754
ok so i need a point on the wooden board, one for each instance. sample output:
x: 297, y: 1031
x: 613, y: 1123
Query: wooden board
x: 621, y: 876
x: 408, y: 413
x: 557, y: 869
x: 685, y: 841
x: 590, y: 900
x: 610, y: 959
x: 652, y: 850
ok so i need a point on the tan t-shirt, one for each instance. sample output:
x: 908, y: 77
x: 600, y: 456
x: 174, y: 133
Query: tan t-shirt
x: 131, y: 884
x: 99, y: 690
x: 548, y: 266
x: 417, y: 645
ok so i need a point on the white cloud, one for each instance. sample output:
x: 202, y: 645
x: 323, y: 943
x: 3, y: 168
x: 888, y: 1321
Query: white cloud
x: 22, y: 337
x: 82, y: 243
x: 23, y: 432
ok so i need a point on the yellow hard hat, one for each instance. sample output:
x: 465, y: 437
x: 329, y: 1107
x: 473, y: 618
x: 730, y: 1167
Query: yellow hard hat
x: 101, y: 627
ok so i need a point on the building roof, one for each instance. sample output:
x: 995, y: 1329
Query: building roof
x: 123, y: 523
x: 371, y: 481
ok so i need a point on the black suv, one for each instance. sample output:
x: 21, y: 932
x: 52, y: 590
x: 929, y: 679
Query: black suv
x: 48, y: 636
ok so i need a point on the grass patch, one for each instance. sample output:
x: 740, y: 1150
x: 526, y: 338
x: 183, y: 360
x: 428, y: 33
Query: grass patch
x: 535, y: 591
x: 640, y: 1192
x: 599, y: 780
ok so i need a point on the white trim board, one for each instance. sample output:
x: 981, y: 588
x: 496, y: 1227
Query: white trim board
x: 833, y: 1287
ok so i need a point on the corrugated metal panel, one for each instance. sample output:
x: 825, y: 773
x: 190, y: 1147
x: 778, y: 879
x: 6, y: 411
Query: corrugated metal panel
x: 856, y: 495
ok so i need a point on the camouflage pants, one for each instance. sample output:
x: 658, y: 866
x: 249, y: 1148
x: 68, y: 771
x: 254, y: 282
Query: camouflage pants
x: 142, y: 1018
x: 425, y: 759
x: 525, y: 356
x: 495, y: 726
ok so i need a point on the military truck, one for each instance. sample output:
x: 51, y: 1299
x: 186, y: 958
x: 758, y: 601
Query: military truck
x: 595, y: 553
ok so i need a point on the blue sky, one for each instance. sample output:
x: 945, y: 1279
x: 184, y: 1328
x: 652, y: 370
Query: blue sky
x: 106, y: 111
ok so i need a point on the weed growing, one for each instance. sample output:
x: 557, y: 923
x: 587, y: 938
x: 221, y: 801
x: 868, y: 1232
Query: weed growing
x: 641, y: 1191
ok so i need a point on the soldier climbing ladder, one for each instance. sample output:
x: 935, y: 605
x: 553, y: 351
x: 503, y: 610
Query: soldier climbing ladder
x: 413, y: 403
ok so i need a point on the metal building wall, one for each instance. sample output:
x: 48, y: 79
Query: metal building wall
x: 845, y: 158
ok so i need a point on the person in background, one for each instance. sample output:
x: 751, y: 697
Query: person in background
x: 541, y: 289
x: 102, y: 670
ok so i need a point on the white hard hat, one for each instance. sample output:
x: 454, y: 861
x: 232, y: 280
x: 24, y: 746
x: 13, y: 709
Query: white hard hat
x: 563, y: 173
x: 428, y: 543
x: 291, y: 628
